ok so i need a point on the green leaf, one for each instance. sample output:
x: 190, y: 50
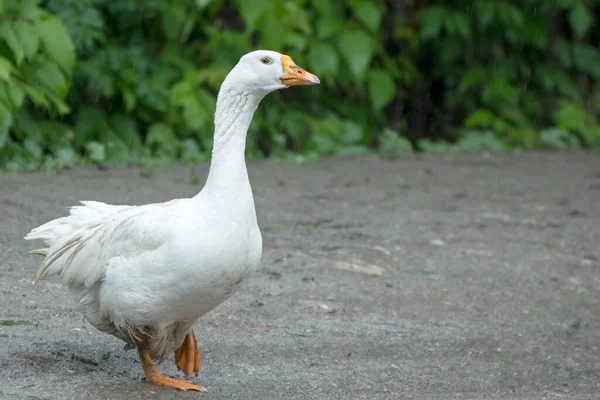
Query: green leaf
x: 481, y: 118
x: 322, y: 143
x: 57, y: 43
x: 208, y: 102
x: 558, y: 139
x: 55, y: 135
x: 323, y: 59
x: 392, y: 144
x: 502, y: 126
x: 499, y: 91
x: 295, y: 42
x: 201, y: 4
x: 13, y: 94
x: 65, y: 156
x: 36, y: 96
x: 368, y: 13
x: 7, y: 33
x: 357, y: 49
x: 472, y: 77
x: 322, y: 7
x: 573, y: 117
x: 562, y: 51
x: 353, y: 150
x: 406, y: 32
x: 510, y: 14
x: 194, y: 113
x: 516, y: 116
x: 162, y: 140
x: 129, y: 99
x: 564, y: 4
x: 5, y: 68
x: 96, y: 151
x: 328, y: 27
x: 126, y: 130
x: 477, y: 141
x: 534, y: 32
x: 298, y: 18
x: 27, y: 37
x: 554, y: 78
x: 89, y: 123
x: 580, y: 19
x: 190, y: 151
x: 117, y: 152
x: 271, y: 31
x: 408, y: 70
x: 6, y: 121
x: 61, y: 107
x: 587, y: 59
x: 25, y: 8
x: 352, y: 133
x: 129, y: 346
x: 485, y: 12
x: 432, y: 20
x: 173, y: 20
x: 430, y: 146
x: 250, y: 11
x: 26, y: 128
x: 34, y: 150
x: 49, y: 75
x: 198, y: 104
x: 382, y: 88
x: 462, y: 25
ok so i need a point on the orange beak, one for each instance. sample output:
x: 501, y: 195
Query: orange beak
x: 293, y: 75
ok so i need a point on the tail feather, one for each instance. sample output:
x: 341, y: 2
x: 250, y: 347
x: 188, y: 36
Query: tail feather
x: 41, y: 252
x: 64, y: 235
x: 55, y: 254
x: 79, y: 216
x: 47, y: 232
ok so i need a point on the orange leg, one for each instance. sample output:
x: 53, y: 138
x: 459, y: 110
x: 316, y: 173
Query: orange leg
x: 153, y: 376
x: 187, y: 356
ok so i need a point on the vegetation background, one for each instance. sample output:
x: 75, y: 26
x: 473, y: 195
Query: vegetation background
x: 109, y: 82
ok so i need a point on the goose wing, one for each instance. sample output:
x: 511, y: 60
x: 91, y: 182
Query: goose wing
x: 82, y: 244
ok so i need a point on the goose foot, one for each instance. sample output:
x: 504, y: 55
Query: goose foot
x: 187, y: 356
x: 153, y: 376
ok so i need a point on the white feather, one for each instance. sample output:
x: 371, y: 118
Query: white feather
x: 157, y: 268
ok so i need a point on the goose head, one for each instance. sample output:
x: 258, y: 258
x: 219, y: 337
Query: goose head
x: 264, y: 71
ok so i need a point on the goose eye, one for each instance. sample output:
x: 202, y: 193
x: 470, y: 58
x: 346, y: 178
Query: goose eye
x: 266, y: 60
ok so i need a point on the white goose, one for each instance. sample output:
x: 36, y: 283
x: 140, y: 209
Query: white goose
x: 146, y: 274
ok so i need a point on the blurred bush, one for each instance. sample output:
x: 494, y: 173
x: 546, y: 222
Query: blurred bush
x: 136, y: 81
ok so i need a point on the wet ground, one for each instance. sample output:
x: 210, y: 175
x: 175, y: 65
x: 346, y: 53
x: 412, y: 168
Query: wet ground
x: 438, y: 277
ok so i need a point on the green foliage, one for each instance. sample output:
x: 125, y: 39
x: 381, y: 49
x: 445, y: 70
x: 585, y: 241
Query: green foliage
x: 514, y: 76
x: 127, y: 82
x: 36, y: 65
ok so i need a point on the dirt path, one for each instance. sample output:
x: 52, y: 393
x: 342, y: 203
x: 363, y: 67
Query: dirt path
x: 454, y: 277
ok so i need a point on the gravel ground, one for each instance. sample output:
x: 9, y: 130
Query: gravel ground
x: 437, y: 277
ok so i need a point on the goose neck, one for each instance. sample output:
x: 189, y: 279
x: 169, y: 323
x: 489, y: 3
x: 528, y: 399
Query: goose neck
x: 233, y: 116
